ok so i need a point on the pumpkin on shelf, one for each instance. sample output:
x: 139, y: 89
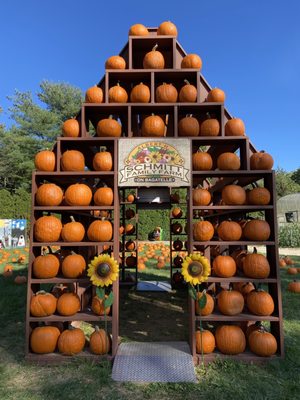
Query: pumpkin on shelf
x: 167, y: 28
x: 154, y: 59
x: 130, y: 245
x: 244, y: 287
x: 117, y: 94
x: 129, y: 229
x: 210, y: 126
x: 45, y: 267
x: 115, y: 62
x: 233, y: 195
x: 260, y: 302
x: 49, y: 194
x: 166, y: 93
x: 177, y: 212
x: 153, y: 126
x: 100, y: 231
x: 71, y: 341
x: 73, y: 266
x: 188, y: 93
x: 257, y: 230
x: 68, y: 304
x: 109, y: 127
x: 98, y: 306
x: 73, y: 231
x: 230, y: 339
x: 238, y: 255
x: 178, y: 261
x: 177, y: 245
x: 138, y: 30
x: 78, y: 194
x: 104, y: 196
x: 94, y: 94
x: 234, y: 127
x: 202, y: 161
x: 282, y: 263
x: 188, y: 126
x: 129, y: 213
x: 176, y: 228
x: 43, y: 339
x: 216, y: 95
x: 209, y: 306
x: 100, y: 342
x: 229, y: 230
x: 191, y: 61
x: 294, y: 286
x: 131, y: 261
x: 130, y: 198
x: 47, y: 229
x: 259, y: 196
x: 224, y: 266
x: 205, y: 341
x: 228, y: 162
x: 262, y: 343
x: 140, y: 94
x: 261, y: 161
x: 230, y: 302
x: 70, y: 128
x: 203, y: 231
x: 201, y: 197
x: 42, y: 304
x: 256, y: 265
x: 45, y: 161
x: 72, y: 160
x: 102, y: 160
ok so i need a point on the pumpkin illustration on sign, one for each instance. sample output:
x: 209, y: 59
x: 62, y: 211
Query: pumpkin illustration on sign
x: 154, y: 153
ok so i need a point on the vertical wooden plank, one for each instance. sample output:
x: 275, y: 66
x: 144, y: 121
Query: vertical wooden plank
x: 152, y: 88
x: 222, y: 123
x: 174, y: 40
x: 106, y: 86
x: 129, y: 122
x: 83, y: 129
x: 130, y: 63
x: 175, y: 124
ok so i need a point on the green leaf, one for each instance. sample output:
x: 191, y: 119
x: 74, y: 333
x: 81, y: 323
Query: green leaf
x: 100, y: 292
x: 192, y: 292
x: 203, y: 300
x: 109, y: 300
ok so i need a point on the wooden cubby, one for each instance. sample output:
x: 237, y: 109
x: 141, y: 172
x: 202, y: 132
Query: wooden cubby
x: 130, y: 115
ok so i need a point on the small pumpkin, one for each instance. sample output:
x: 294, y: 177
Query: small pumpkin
x: 216, y: 95
x: 72, y: 160
x: 117, y: 94
x: 166, y: 93
x: 262, y: 343
x: 176, y: 228
x: 244, y: 288
x: 230, y: 339
x: 130, y: 198
x: 210, y: 126
x: 138, y: 30
x: 20, y: 279
x: 202, y: 161
x: 73, y: 266
x: 73, y: 231
x: 228, y: 162
x: 131, y: 261
x: 71, y: 341
x: 188, y: 93
x: 292, y: 271
x: 100, y: 231
x: 43, y: 339
x: 78, y: 194
x: 188, y: 126
x: 8, y: 271
x: 47, y: 229
x: 201, y: 197
x: 98, y: 306
x: 154, y: 59
x: 224, y: 266
x: 71, y: 128
x: 205, y: 342
x: 256, y: 266
x: 115, y: 62
x: 49, y: 194
x: 257, y: 230
x: 209, y: 306
x: 261, y: 161
x: 282, y: 263
x: 177, y: 245
x: 45, y: 267
x: 153, y: 126
x: 229, y: 230
x: 94, y: 94
x: 167, y: 28
x: 191, y: 61
x: 233, y: 195
x: 294, y: 287
x: 140, y: 94
x: 104, y: 196
x: 102, y: 161
x: 130, y: 245
x: 178, y: 261
x: 42, y: 304
x: 68, y: 304
x: 234, y: 127
x: 129, y: 213
x: 258, y: 196
x: 100, y: 342
x: 109, y: 127
x: 45, y: 161
x: 230, y: 302
x: 177, y: 212
x: 260, y: 303
x: 203, y: 231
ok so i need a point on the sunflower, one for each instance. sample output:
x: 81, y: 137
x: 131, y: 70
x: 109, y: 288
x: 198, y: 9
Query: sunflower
x: 195, y: 269
x: 155, y: 156
x: 103, y: 270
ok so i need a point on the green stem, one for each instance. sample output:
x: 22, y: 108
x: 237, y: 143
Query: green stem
x: 200, y: 328
x: 105, y: 327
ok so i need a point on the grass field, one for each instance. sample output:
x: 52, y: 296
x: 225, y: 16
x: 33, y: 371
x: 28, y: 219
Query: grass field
x: 85, y: 380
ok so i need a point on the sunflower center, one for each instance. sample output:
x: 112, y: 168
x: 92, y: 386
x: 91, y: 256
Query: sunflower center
x: 103, y: 269
x: 195, y: 268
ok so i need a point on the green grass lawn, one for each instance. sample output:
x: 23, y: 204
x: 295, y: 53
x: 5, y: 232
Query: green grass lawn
x: 85, y: 380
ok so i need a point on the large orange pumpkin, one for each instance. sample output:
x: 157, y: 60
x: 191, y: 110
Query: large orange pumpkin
x: 109, y: 127
x: 140, y: 94
x: 45, y: 161
x: 205, y: 342
x: 229, y: 230
x: 210, y: 127
x: 201, y: 197
x: 45, y: 267
x: 260, y: 302
x: 73, y: 231
x: 68, y: 304
x: 42, y: 304
x: 71, y: 128
x: 98, y: 306
x: 47, y: 229
x: 209, y: 306
x: 202, y: 161
x: 166, y: 93
x: 72, y: 160
x: 262, y: 343
x: 99, y: 342
x: 228, y: 162
x: 230, y: 339
x: 100, y: 231
x: 102, y: 161
x: 233, y: 195
x: 224, y: 266
x: 257, y: 230
x: 104, y: 196
x: 256, y: 266
x: 117, y: 94
x: 153, y: 126
x: 94, y: 94
x: 154, y: 59
x: 115, y: 62
x: 43, y: 339
x: 216, y: 95
x: 234, y: 127
x: 230, y: 302
x: 78, y: 194
x: 191, y: 61
x: 49, y: 194
x: 73, y: 266
x: 138, y: 30
x: 188, y: 93
x: 188, y: 126
x: 258, y: 196
x: 203, y: 231
x: 261, y: 160
x: 71, y: 341
x: 167, y: 28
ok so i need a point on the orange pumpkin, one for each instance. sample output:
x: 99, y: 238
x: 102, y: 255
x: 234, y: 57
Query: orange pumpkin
x: 201, y: 197
x: 42, y: 304
x: 20, y: 279
x: 49, y: 194
x: 203, y: 231
x: 216, y: 95
x: 228, y: 162
x: 98, y: 306
x: 202, y: 161
x: 100, y: 231
x: 294, y: 287
x: 210, y: 127
x: 224, y: 266
x: 229, y: 230
x: 73, y: 266
x: 140, y: 94
x: 233, y: 195
x: 45, y: 267
x: 109, y: 127
x: 234, y: 127
x: 262, y: 343
x: 166, y: 93
x: 68, y: 304
x: 256, y: 266
x: 191, y: 61
x: 73, y: 231
x: 115, y: 62
x: 43, y: 339
x: 167, y: 28
x: 153, y: 126
x: 45, y: 161
x: 260, y: 302
x: 209, y: 306
x: 261, y: 161
x: 102, y: 161
x: 230, y: 339
x: 78, y: 194
x: 205, y: 342
x: 292, y: 271
x: 117, y: 94
x: 257, y: 230
x: 72, y: 160
x: 188, y: 93
x: 47, y: 229
x: 138, y: 30
x: 104, y: 196
x: 258, y: 196
x: 188, y: 126
x: 71, y: 341
x: 94, y: 94
x: 154, y: 59
x: 100, y: 342
x: 230, y: 302
x: 70, y: 128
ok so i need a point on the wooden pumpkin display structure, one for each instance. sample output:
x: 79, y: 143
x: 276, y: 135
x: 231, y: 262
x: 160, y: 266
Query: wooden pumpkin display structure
x: 153, y: 90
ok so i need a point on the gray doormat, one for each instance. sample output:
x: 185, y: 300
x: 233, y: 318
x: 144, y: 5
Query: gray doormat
x: 154, y: 362
x: 153, y: 286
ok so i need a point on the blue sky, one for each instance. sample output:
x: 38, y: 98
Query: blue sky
x: 249, y: 49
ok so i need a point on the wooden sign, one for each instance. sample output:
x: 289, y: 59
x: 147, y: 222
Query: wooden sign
x: 154, y: 162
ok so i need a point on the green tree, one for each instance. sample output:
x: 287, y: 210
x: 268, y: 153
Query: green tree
x: 285, y: 184
x: 296, y: 176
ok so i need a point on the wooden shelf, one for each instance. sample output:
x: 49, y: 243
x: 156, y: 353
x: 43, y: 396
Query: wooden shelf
x: 217, y: 316
x: 71, y: 244
x: 80, y: 316
x: 60, y: 280
x: 74, y: 173
x: 233, y: 243
x: 246, y: 356
x: 72, y: 208
x: 216, y: 279
x: 55, y: 358
x: 235, y: 207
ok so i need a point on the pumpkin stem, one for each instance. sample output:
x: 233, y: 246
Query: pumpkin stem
x: 186, y: 82
x: 110, y: 117
x: 72, y: 218
x: 41, y: 292
x: 208, y: 115
x: 73, y: 253
x: 102, y: 148
x: 254, y: 250
x: 50, y: 250
x: 97, y: 329
x: 155, y: 47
